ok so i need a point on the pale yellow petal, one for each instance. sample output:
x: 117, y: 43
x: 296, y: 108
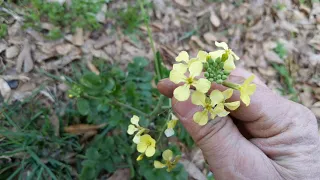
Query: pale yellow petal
x: 195, y: 68
x: 202, y: 56
x: 213, y: 114
x: 131, y: 129
x: 232, y: 105
x: 234, y: 55
x: 169, y: 132
x: 248, y: 80
x: 223, y: 113
x: 221, y: 45
x: 150, y: 151
x: 218, y: 109
x: 183, y: 56
x: 182, y: 93
x: 216, y: 97
x: 198, y: 98
x: 227, y: 93
x: 216, y: 54
x: 172, y: 123
x: 251, y: 89
x: 202, y: 85
x: 135, y: 120
x: 140, y: 157
x: 136, y: 138
x: 201, y: 117
x: 167, y: 155
x: 142, y: 147
x: 192, y: 60
x: 229, y: 64
x: 177, y: 76
x: 245, y: 99
x: 173, y: 116
x: 180, y: 67
x: 158, y: 164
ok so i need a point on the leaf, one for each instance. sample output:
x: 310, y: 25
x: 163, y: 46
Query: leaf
x: 83, y: 106
x: 91, y: 80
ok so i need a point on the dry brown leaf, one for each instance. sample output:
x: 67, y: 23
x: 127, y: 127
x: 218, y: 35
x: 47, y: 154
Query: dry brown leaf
x: 64, y: 49
x: 192, y: 170
x: 184, y: 3
x: 198, y: 41
x: 93, y: 68
x: 316, y: 109
x: 83, y: 128
x: 214, y: 19
x: 12, y: 52
x: 5, y: 89
x: 101, y: 15
x: 103, y: 41
x: 121, y: 174
x: 65, y: 60
x: 77, y: 38
x: 209, y: 37
x: 25, y: 58
x: 87, y: 135
x: 273, y: 57
x: 3, y: 46
x: 224, y: 12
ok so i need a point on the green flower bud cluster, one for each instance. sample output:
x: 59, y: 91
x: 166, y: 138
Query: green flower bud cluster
x: 75, y: 91
x: 214, y: 70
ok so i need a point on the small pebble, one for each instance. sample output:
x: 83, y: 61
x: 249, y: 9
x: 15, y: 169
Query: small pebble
x: 13, y: 84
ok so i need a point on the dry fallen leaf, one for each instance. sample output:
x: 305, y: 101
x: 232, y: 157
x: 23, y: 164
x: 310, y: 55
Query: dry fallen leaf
x: 83, y: 128
x: 271, y: 57
x: 192, y: 170
x: 214, y: 19
x: 93, y: 68
x: 121, y: 174
x: 5, y: 89
x: 25, y: 58
x: 12, y: 52
x: 209, y: 37
x: 77, y: 38
x: 184, y: 3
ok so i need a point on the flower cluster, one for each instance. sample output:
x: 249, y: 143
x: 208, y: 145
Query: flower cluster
x: 195, y: 76
x: 146, y: 145
x: 169, y: 161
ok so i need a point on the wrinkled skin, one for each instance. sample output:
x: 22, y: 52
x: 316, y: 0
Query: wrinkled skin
x: 273, y: 138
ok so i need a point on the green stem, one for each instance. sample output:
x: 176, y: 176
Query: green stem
x: 157, y: 108
x: 146, y: 21
x: 131, y: 108
x: 163, y: 128
x: 231, y: 85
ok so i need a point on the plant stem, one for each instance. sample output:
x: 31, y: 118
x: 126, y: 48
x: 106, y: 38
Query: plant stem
x: 163, y: 127
x: 131, y: 108
x: 231, y: 85
x: 157, y: 108
x: 146, y: 21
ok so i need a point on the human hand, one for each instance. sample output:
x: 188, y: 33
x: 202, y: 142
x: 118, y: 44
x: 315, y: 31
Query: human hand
x: 272, y: 138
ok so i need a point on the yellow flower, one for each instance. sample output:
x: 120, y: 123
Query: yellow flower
x: 218, y: 99
x: 133, y: 127
x: 147, y: 145
x: 184, y: 62
x: 182, y: 93
x: 170, y: 126
x: 246, y: 90
x: 169, y: 161
x: 214, y: 105
x: 229, y: 63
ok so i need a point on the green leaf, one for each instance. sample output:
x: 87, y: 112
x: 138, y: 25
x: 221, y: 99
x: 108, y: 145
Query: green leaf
x: 83, y: 106
x: 91, y: 80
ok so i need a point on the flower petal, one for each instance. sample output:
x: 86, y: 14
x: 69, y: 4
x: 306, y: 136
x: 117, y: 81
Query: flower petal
x: 248, y: 80
x: 223, y: 113
x: 216, y: 54
x: 201, y: 117
x: 172, y: 123
x: 216, y: 97
x: 177, y: 76
x: 202, y: 56
x: 183, y: 56
x: 182, y: 93
x: 229, y: 64
x: 245, y: 99
x: 169, y: 132
x: 234, y: 55
x: 221, y: 45
x: 195, y: 68
x: 142, y: 146
x: 202, y: 85
x: 131, y: 129
x: 158, y: 164
x: 180, y: 67
x: 227, y: 93
x: 135, y: 120
x: 232, y: 105
x: 140, y: 157
x: 251, y: 89
x: 150, y: 151
x: 213, y: 114
x: 167, y: 155
x: 198, y: 98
